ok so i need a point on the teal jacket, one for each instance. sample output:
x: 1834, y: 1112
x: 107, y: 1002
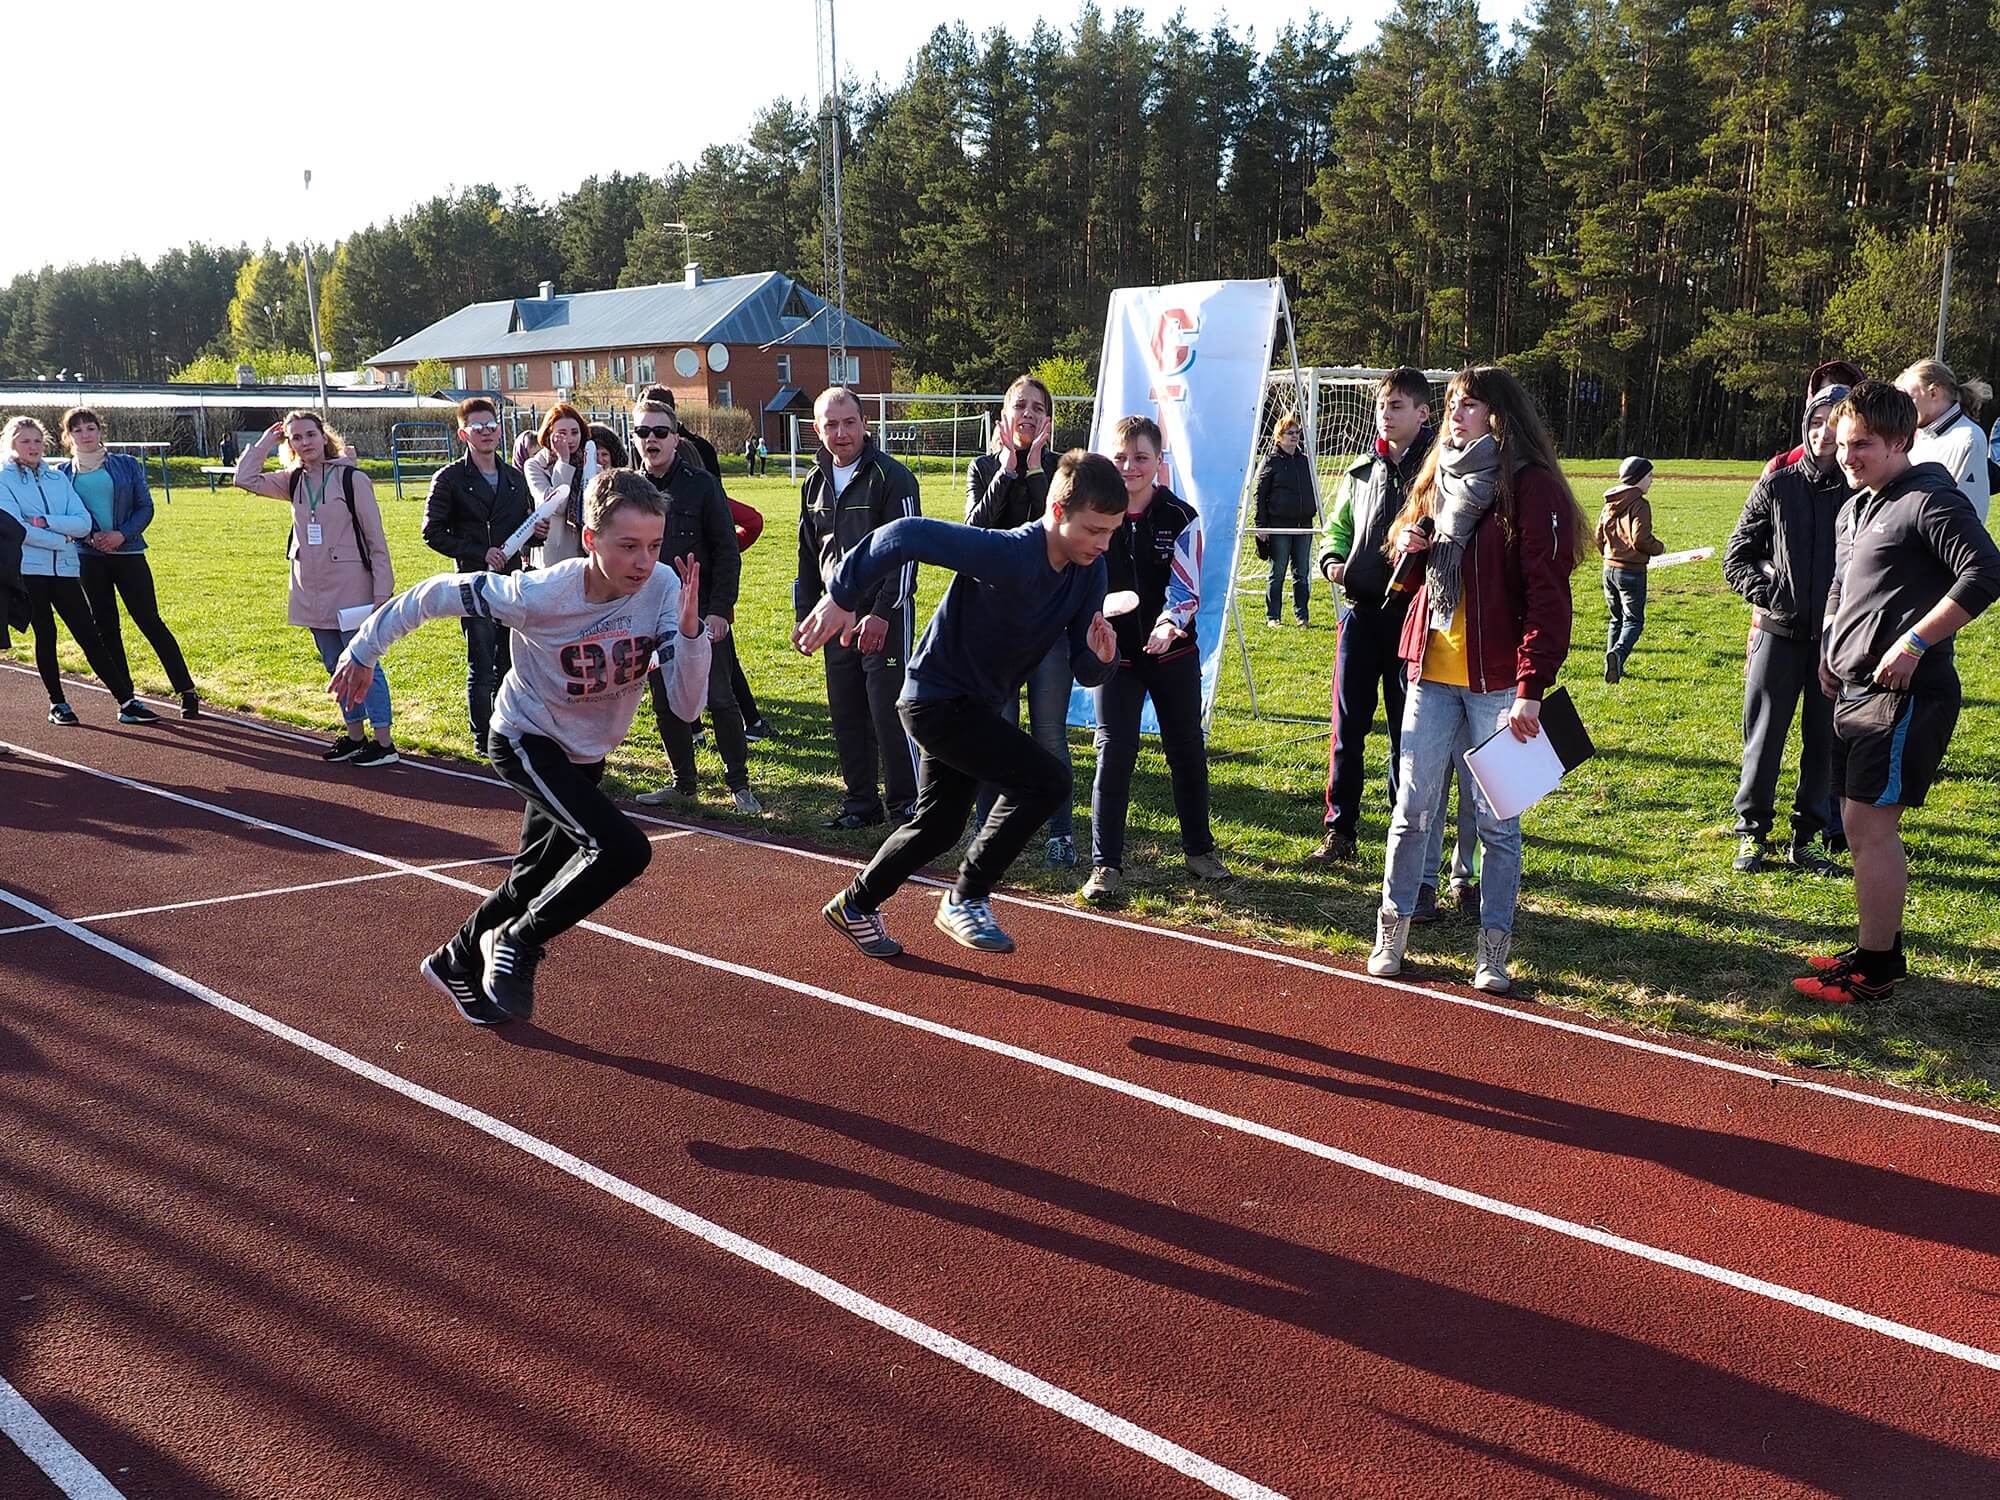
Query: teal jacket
x: 44, y: 494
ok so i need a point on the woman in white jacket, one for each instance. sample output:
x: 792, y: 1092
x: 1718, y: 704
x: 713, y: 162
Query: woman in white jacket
x: 1946, y: 431
x: 564, y: 455
x: 53, y: 516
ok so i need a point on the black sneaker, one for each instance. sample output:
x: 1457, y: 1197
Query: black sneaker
x: 132, y: 711
x: 190, y: 704
x: 1614, y: 666
x: 758, y: 729
x: 852, y: 820
x: 1804, y: 858
x: 376, y: 754
x: 344, y: 748
x: 63, y: 714
x: 1751, y: 854
x: 458, y: 984
x: 508, y: 977
x: 864, y: 929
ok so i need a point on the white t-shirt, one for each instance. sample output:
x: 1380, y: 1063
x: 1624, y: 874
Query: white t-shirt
x: 578, y: 666
x: 843, y: 477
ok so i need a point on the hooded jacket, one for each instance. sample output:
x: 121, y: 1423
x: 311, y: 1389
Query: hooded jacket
x: 1780, y: 556
x: 52, y: 517
x: 1902, y: 551
x: 1516, y: 599
x: 1833, y: 372
x: 1625, y: 528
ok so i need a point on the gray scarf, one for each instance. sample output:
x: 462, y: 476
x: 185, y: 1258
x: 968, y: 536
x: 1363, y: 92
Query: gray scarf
x: 1468, y: 480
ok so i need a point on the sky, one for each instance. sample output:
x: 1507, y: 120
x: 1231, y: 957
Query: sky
x: 158, y: 125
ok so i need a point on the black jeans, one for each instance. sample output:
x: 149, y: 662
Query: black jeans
x: 1781, y: 678
x: 861, y: 694
x: 1364, y: 660
x: 964, y: 742
x: 740, y: 685
x: 1294, y: 552
x: 677, y: 734
x: 1175, y: 688
x: 111, y: 576
x: 50, y: 597
x: 577, y: 849
x: 489, y: 652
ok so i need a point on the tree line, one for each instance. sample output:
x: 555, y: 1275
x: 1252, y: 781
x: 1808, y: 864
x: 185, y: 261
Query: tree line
x: 1659, y: 215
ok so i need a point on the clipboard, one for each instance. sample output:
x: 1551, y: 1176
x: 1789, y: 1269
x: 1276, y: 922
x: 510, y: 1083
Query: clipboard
x: 1514, y: 775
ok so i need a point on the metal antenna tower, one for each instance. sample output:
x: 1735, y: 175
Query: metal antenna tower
x: 832, y: 249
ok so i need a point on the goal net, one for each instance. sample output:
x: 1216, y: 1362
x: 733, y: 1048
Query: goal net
x: 1337, y: 407
x: 957, y: 438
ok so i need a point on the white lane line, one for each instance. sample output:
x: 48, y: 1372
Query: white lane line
x: 49, y: 1451
x: 290, y: 890
x: 1356, y: 976
x: 1287, y: 960
x: 1638, y: 1249
x: 1056, y: 1398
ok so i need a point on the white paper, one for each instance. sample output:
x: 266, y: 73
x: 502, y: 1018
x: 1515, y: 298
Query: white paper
x: 1671, y: 559
x: 355, y: 617
x: 315, y: 536
x: 1120, y: 602
x: 548, y: 510
x: 1513, y: 775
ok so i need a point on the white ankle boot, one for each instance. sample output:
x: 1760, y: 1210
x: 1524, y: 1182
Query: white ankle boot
x: 1491, y: 975
x: 1392, y: 936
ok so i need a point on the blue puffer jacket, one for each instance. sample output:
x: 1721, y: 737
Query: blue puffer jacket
x: 131, y: 499
x: 44, y: 494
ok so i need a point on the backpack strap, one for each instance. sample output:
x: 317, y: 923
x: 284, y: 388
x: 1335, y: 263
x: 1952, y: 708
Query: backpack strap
x: 292, y: 482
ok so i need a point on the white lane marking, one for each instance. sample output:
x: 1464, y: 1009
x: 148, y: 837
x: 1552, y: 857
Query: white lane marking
x: 49, y: 1451
x: 1056, y: 1398
x: 291, y: 890
x: 1357, y: 976
x: 1288, y: 960
x: 1775, y: 1291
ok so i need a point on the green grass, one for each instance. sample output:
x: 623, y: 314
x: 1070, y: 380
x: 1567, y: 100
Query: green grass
x: 1630, y: 908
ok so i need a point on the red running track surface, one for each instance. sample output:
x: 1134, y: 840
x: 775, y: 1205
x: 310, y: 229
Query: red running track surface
x: 253, y: 1272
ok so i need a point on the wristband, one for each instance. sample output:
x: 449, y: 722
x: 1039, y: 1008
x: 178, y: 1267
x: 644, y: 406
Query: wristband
x: 1916, y: 645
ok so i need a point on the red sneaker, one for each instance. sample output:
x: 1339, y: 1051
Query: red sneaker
x: 1843, y: 984
x: 1825, y: 961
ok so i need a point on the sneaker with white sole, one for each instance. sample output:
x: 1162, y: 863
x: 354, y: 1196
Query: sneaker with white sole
x: 1491, y: 974
x: 374, y: 755
x: 508, y: 975
x: 971, y: 924
x: 460, y: 985
x: 865, y: 929
x: 132, y: 711
x: 665, y: 796
x: 1105, y: 884
x: 1392, y: 937
x: 746, y: 801
x: 1208, y: 867
x: 63, y: 714
x: 344, y: 748
x: 1062, y: 852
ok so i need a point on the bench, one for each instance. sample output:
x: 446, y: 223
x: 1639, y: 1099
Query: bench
x: 218, y: 474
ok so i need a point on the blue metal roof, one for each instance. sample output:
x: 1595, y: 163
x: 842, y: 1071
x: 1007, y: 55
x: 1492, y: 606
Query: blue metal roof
x: 788, y: 396
x: 756, y: 309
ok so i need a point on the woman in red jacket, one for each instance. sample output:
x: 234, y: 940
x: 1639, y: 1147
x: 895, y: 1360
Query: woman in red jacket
x: 1485, y: 635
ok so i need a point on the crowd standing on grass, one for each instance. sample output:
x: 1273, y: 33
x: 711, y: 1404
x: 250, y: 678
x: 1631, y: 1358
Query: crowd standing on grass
x: 1861, y: 553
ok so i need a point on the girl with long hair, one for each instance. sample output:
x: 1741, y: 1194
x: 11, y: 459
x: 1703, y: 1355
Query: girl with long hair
x: 1499, y: 533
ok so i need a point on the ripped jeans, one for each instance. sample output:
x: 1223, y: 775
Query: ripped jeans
x: 1438, y: 721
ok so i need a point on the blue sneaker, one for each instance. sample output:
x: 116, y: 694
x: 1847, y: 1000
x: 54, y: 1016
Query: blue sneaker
x: 865, y: 929
x: 971, y: 924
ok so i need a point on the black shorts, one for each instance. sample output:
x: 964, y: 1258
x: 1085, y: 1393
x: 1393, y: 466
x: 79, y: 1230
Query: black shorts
x: 1894, y: 743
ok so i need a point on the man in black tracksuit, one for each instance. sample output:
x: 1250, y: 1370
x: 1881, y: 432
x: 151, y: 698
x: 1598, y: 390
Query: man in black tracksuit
x: 1780, y: 558
x: 854, y: 488
x: 1351, y: 556
x: 698, y: 526
x: 473, y: 506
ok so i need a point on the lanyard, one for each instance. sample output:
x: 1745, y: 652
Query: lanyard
x: 313, y: 500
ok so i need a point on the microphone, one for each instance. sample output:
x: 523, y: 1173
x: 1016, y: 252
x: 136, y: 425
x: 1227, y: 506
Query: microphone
x: 1410, y: 566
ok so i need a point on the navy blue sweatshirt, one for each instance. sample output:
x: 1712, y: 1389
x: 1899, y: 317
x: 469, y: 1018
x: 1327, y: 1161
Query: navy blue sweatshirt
x: 1001, y: 615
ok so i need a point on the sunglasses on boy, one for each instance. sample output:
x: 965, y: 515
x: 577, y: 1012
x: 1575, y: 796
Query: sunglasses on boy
x: 482, y: 426
x: 642, y: 433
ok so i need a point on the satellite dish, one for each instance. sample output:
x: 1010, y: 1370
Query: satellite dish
x: 687, y: 363
x: 718, y: 356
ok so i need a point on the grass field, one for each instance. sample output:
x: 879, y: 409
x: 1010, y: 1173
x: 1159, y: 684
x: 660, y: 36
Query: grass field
x: 1630, y: 908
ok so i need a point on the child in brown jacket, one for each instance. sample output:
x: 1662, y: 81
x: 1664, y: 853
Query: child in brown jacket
x: 1625, y: 537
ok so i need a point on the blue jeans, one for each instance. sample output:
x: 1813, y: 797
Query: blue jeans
x: 1294, y: 552
x: 1625, y: 596
x: 1048, y: 722
x: 1440, y: 721
x: 375, y: 708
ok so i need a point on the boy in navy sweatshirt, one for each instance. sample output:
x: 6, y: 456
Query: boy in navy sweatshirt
x: 1016, y: 594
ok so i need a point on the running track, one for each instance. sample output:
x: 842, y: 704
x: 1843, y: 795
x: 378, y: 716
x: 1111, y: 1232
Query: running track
x: 1129, y: 1213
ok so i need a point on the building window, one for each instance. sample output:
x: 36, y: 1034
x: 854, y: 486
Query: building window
x: 643, y: 370
x: 619, y: 365
x: 589, y: 371
x: 458, y: 376
x: 841, y: 371
x: 562, y: 372
x: 723, y: 396
x: 517, y: 377
x: 491, y: 378
x: 784, y: 369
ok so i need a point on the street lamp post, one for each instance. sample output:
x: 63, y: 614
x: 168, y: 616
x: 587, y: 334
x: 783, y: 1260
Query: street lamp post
x: 1944, y: 283
x: 312, y: 316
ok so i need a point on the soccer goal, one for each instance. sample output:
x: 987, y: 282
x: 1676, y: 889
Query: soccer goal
x: 1339, y: 416
x: 956, y: 438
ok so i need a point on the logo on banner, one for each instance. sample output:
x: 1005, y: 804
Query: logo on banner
x: 1174, y: 335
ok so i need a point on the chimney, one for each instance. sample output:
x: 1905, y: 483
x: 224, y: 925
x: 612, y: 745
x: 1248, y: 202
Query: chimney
x: 693, y: 277
x: 246, y: 374
x: 548, y: 291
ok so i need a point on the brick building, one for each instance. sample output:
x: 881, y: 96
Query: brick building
x: 755, y: 341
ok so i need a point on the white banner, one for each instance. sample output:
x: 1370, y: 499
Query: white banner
x: 1193, y: 358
